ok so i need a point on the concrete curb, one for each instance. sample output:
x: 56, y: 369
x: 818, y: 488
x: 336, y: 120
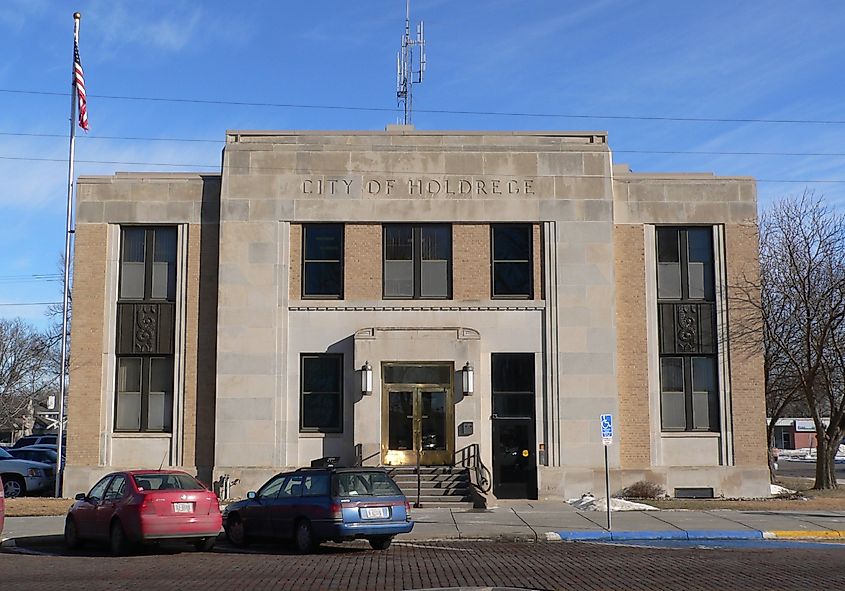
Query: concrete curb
x: 800, y: 534
x: 606, y: 536
x: 704, y: 534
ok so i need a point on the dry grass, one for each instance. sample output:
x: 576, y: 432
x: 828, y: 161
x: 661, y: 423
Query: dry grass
x: 806, y: 499
x: 36, y: 506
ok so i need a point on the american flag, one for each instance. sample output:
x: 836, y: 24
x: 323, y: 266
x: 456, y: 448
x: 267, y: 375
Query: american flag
x: 79, y: 83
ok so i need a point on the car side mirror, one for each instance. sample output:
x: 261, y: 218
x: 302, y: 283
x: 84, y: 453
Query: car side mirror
x: 251, y: 495
x: 79, y: 496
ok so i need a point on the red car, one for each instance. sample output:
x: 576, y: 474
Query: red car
x: 141, y: 506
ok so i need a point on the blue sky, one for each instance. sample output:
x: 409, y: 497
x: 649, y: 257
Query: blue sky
x: 597, y: 60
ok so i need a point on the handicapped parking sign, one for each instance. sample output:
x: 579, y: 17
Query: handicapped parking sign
x: 607, y: 429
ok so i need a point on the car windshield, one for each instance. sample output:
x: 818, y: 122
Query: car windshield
x: 4, y: 455
x: 156, y: 481
x: 371, y: 484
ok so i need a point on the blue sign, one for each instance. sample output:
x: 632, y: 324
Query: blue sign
x: 607, y: 429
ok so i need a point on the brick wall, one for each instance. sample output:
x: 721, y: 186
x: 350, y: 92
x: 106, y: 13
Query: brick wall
x: 362, y: 262
x: 747, y: 386
x: 86, y: 349
x: 631, y: 352
x: 470, y: 261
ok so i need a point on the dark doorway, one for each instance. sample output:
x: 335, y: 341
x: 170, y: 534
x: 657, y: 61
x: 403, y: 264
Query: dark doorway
x: 514, y: 440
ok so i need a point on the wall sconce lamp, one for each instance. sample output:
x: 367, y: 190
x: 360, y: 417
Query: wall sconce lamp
x: 366, y: 378
x: 468, y: 378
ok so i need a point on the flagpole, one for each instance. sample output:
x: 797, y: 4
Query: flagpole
x: 68, y: 235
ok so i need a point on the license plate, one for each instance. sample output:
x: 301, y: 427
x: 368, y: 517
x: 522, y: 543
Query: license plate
x: 374, y: 512
x: 183, y: 507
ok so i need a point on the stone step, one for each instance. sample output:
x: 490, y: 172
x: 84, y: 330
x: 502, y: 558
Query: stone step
x: 435, y: 492
x: 430, y: 477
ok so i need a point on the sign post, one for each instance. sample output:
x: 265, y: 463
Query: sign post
x: 607, y: 440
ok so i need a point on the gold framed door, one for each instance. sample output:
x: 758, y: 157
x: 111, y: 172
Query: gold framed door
x: 418, y: 419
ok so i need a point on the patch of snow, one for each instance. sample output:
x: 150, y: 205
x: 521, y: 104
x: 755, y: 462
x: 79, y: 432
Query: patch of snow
x: 589, y: 502
x: 780, y: 490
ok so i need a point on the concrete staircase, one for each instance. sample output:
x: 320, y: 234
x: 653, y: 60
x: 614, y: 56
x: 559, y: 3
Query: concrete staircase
x: 440, y: 486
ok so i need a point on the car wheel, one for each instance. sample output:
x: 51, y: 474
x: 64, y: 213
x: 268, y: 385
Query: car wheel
x: 380, y: 542
x: 236, y: 532
x: 205, y: 544
x: 13, y: 486
x: 72, y: 540
x: 303, y: 537
x: 117, y: 540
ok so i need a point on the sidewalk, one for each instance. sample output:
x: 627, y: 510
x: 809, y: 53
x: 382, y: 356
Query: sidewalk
x: 555, y: 520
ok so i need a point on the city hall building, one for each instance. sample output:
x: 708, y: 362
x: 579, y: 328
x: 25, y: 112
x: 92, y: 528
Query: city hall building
x: 457, y: 299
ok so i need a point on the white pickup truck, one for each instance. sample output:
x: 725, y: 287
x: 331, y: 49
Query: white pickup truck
x: 23, y: 476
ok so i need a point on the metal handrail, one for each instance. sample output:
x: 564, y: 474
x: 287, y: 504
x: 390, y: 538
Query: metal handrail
x: 470, y: 457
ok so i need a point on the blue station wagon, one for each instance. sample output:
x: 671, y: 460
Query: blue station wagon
x: 313, y: 505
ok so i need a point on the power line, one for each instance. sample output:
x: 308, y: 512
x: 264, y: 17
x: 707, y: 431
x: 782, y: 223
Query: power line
x: 441, y: 111
x: 294, y: 170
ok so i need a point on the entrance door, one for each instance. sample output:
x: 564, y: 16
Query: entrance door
x: 514, y: 439
x: 514, y: 461
x: 419, y: 420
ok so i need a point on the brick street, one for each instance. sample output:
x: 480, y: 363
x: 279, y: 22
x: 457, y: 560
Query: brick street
x: 422, y: 565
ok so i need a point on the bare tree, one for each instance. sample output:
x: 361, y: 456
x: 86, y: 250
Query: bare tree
x: 24, y: 372
x: 802, y: 255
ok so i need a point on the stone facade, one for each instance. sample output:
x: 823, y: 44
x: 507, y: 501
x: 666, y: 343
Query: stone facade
x: 244, y: 327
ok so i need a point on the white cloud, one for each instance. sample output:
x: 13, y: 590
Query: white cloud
x: 116, y: 24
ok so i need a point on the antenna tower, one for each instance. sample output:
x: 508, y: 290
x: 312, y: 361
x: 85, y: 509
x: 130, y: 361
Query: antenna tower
x: 406, y: 75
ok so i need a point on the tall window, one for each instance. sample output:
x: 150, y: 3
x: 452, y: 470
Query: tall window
x: 687, y: 317
x: 321, y: 389
x: 512, y: 261
x: 322, y: 261
x: 417, y: 261
x: 145, y: 330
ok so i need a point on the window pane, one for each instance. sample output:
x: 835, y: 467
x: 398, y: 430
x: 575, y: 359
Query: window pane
x: 672, y: 374
x: 434, y: 280
x: 323, y: 279
x: 700, y: 249
x: 418, y: 374
x: 400, y: 429
x: 292, y: 487
x: 133, y: 245
x: 705, y: 407
x: 668, y: 250
x: 321, y: 411
x: 513, y: 405
x: 271, y: 489
x: 673, y: 411
x: 161, y: 375
x: 398, y: 243
x: 399, y: 279
x: 129, y: 374
x: 436, y: 243
x: 513, y: 372
x: 316, y: 485
x: 512, y: 243
x: 323, y: 242
x: 128, y: 411
x: 132, y: 281
x: 164, y: 264
x: 512, y: 279
x: 321, y: 373
x: 669, y: 280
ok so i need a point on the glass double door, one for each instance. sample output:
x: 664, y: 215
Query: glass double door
x: 418, y: 419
